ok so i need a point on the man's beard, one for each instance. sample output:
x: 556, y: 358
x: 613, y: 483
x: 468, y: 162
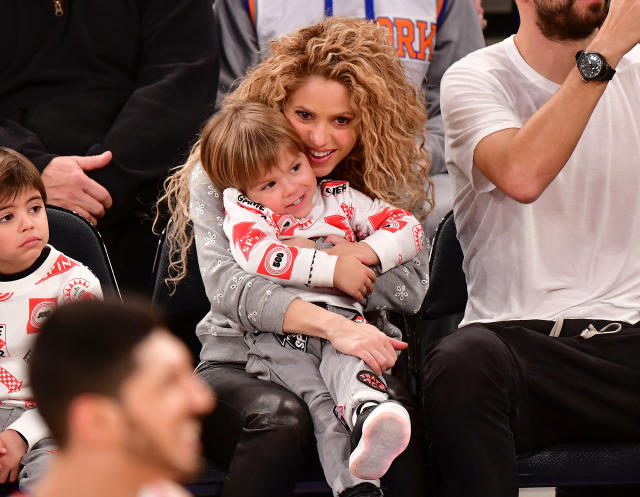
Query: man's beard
x: 560, y: 22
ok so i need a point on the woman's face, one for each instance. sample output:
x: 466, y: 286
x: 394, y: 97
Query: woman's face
x: 320, y: 112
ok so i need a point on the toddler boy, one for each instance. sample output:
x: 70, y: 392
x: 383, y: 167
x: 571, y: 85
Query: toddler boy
x: 34, y: 279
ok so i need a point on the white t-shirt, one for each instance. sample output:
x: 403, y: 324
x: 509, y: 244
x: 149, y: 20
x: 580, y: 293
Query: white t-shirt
x: 575, y: 251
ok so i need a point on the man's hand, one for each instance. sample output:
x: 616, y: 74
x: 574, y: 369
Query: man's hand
x: 68, y: 186
x: 298, y: 241
x: 353, y: 277
x: 367, y: 342
x: 619, y: 32
x: 13, y: 448
x: 360, y: 250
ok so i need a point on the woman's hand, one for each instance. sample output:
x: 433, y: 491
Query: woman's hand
x: 353, y: 277
x: 361, y: 340
x: 361, y: 250
x: 367, y: 342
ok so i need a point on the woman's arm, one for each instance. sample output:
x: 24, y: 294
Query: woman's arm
x: 402, y: 289
x: 365, y: 341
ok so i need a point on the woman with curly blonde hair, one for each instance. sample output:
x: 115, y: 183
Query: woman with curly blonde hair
x: 344, y: 92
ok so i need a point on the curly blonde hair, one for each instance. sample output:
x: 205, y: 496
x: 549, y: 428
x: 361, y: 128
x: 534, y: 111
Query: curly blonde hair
x: 388, y: 161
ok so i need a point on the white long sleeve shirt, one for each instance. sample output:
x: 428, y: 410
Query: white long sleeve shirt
x: 25, y: 303
x: 254, y: 231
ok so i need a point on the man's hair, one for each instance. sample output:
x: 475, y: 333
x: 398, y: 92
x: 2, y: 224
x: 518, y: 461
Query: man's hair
x: 243, y: 141
x: 17, y: 174
x: 85, y: 347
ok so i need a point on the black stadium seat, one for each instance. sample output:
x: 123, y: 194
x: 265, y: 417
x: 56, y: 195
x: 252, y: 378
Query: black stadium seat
x: 76, y: 237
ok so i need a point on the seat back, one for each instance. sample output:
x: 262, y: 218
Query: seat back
x: 188, y: 303
x: 447, y: 293
x: 77, y: 238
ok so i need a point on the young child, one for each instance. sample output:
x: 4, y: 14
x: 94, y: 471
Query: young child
x: 34, y: 279
x: 274, y: 212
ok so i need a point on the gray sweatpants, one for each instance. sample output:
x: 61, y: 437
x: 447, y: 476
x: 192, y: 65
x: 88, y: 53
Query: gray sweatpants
x: 324, y: 378
x: 35, y: 461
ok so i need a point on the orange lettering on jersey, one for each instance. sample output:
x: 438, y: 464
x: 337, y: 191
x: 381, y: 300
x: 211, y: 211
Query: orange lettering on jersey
x: 406, y: 35
x: 426, y: 35
x: 252, y: 11
x: 386, y: 22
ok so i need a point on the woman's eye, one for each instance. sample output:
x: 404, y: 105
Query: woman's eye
x: 304, y: 115
x: 343, y: 121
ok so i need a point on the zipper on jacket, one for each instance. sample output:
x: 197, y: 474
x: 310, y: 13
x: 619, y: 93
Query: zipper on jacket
x: 57, y: 5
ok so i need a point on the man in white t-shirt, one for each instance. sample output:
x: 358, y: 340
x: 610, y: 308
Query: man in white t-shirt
x: 543, y: 143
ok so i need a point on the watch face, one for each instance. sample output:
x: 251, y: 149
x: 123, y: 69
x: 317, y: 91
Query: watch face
x: 590, y: 65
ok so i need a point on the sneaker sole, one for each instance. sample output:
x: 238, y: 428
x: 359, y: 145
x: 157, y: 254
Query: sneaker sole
x: 385, y: 435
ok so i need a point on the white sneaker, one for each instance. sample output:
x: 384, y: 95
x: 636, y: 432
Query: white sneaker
x: 380, y: 434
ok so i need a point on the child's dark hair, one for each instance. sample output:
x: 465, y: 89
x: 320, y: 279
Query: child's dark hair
x: 17, y: 174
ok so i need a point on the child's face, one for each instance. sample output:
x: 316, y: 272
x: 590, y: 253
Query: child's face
x: 24, y: 231
x: 288, y: 188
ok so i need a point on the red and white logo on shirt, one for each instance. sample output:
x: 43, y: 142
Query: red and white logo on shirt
x: 418, y: 236
x: 5, y: 296
x: 12, y: 383
x: 62, y: 265
x: 39, y: 311
x: 340, y: 222
x: 278, y: 261
x: 77, y: 289
x: 246, y: 237
x: 389, y: 219
x: 348, y: 210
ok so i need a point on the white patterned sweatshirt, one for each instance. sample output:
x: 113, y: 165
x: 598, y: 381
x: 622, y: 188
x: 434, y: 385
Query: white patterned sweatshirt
x: 255, y: 231
x: 25, y: 303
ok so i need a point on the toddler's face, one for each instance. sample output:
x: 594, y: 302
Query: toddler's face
x: 288, y: 188
x: 24, y: 231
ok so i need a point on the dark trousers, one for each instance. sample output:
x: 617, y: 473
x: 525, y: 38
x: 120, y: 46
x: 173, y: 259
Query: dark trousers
x: 492, y: 390
x: 263, y: 434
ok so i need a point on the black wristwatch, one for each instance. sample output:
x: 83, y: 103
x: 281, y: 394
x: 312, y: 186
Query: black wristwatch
x: 594, y: 67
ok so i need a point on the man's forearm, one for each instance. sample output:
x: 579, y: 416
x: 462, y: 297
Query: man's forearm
x: 522, y: 162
